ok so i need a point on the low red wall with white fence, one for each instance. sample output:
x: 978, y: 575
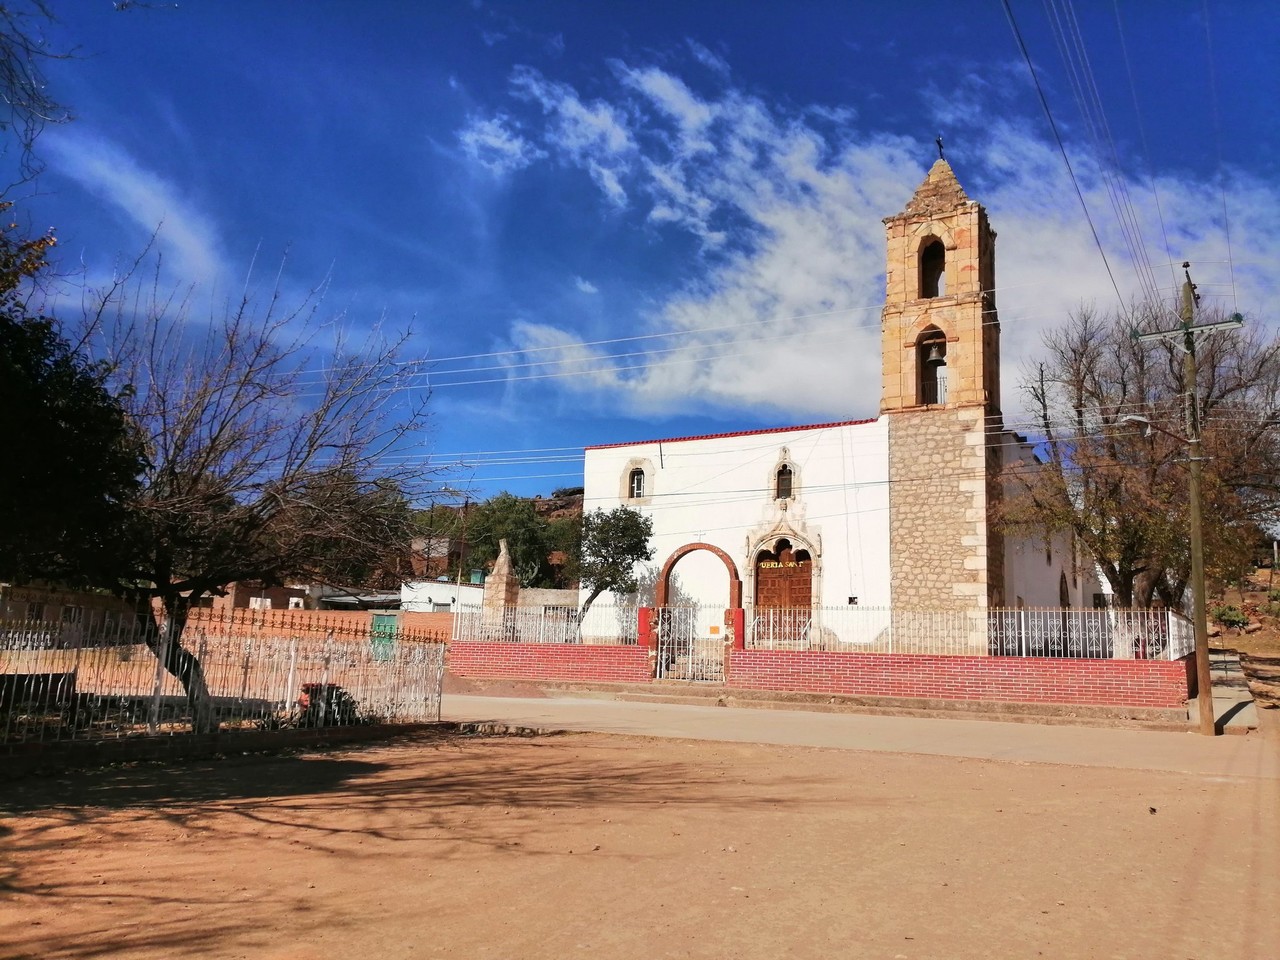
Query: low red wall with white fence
x: 1128, y: 683
x: 485, y: 660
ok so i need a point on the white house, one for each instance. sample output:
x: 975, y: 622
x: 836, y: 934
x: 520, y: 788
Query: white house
x: 440, y: 596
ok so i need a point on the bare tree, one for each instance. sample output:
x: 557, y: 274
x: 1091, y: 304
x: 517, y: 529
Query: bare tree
x: 1121, y: 488
x: 266, y: 435
x: 23, y: 87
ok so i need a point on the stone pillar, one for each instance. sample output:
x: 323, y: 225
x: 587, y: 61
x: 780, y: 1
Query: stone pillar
x: 501, y: 592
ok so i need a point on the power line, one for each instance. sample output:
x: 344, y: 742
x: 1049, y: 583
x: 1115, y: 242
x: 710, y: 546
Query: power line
x: 1044, y: 103
x: 1217, y: 132
x: 1142, y: 136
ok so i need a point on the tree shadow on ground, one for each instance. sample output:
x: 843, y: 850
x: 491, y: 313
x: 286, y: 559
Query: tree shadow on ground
x: 446, y: 795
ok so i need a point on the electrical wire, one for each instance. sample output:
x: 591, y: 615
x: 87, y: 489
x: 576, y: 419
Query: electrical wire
x: 1044, y: 103
x: 1146, y: 150
x: 1217, y: 131
x: 1074, y: 54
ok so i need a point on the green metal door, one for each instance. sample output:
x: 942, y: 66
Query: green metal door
x: 382, y: 635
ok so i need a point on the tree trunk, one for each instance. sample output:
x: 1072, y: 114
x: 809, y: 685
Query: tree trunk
x: 165, y: 641
x: 1121, y: 585
x: 582, y: 614
x: 1145, y: 586
x: 591, y: 598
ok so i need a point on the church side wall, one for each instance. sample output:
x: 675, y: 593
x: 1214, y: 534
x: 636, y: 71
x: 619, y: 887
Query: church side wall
x: 719, y: 490
x: 1035, y: 565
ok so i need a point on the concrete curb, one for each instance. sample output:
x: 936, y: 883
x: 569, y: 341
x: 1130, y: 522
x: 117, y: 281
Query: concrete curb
x: 1008, y: 712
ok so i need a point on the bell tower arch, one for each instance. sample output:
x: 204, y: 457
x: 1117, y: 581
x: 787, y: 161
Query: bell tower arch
x: 940, y: 391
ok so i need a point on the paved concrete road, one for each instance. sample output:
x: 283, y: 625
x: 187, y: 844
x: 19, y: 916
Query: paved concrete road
x: 1225, y: 756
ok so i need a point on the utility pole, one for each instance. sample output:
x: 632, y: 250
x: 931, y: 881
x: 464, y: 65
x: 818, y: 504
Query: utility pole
x: 1187, y: 331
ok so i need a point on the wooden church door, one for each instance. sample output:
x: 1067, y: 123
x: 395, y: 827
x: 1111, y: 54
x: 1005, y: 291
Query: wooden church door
x: 784, y: 594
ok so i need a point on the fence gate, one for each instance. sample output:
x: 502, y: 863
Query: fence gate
x: 685, y: 652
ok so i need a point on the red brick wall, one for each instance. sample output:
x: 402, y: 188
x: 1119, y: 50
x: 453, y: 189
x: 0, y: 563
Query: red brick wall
x: 550, y: 661
x: 1129, y: 683
x: 344, y: 624
x: 439, y: 624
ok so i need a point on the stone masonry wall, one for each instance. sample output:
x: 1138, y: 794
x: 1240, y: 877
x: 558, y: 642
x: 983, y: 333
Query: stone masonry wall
x: 938, y: 509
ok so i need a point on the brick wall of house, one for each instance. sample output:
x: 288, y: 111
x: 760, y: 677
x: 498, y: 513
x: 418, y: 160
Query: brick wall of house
x: 343, y: 624
x: 438, y: 624
x: 1128, y: 683
x: 550, y: 661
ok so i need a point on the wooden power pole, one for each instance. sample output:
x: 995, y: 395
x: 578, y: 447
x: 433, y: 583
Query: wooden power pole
x: 1187, y: 331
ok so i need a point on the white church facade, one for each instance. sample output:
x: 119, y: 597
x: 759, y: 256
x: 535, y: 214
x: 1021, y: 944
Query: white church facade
x: 895, y: 512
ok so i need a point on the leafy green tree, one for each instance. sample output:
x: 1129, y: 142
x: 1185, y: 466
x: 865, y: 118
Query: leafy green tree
x: 514, y: 519
x: 564, y: 535
x: 613, y: 542
x: 74, y: 456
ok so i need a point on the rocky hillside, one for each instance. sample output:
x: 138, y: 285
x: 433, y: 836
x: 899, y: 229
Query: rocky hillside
x: 1247, y: 617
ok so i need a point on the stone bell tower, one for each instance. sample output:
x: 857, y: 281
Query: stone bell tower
x: 940, y: 343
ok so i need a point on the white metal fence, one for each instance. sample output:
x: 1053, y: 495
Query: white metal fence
x: 1027, y: 632
x: 112, y: 685
x: 603, y: 624
x: 1006, y: 632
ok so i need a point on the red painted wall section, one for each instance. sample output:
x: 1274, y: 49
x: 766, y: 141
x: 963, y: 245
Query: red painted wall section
x: 644, y: 627
x: 550, y: 661
x: 1128, y: 683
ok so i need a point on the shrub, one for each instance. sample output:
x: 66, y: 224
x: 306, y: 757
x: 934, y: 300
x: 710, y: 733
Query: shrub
x: 1230, y: 616
x: 1273, y: 596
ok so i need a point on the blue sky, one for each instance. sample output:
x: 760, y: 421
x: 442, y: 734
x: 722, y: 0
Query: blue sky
x: 606, y: 222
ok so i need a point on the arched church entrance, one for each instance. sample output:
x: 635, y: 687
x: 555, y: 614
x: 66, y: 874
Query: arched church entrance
x: 664, y: 578
x: 783, y: 594
x: 691, y: 639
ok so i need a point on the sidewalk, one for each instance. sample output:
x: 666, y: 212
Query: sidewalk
x: 1233, y: 706
x: 1223, y: 756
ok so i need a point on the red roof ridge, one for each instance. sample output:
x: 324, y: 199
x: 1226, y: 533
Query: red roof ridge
x: 735, y: 433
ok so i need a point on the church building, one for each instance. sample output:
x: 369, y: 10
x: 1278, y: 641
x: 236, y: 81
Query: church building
x: 896, y: 511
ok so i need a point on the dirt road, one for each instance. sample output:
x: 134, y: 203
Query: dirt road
x: 624, y: 847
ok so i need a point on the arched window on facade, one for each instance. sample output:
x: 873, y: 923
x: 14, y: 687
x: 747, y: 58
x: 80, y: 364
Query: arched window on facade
x: 931, y: 361
x: 782, y: 483
x: 933, y: 270
x: 635, y: 484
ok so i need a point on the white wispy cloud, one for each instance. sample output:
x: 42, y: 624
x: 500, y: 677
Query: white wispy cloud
x: 585, y: 286
x: 712, y: 61
x: 185, y: 234
x: 593, y: 135
x: 490, y: 142
x: 788, y: 203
